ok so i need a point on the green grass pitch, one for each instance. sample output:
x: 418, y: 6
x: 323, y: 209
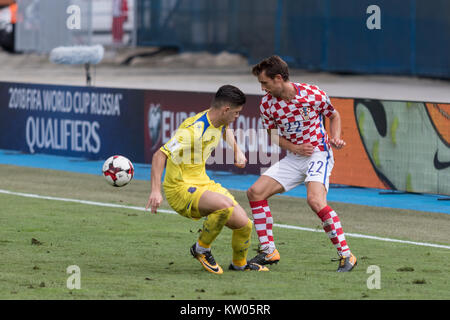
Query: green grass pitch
x: 129, y: 254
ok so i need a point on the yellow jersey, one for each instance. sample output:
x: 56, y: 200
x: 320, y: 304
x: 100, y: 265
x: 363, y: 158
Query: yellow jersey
x: 188, y: 150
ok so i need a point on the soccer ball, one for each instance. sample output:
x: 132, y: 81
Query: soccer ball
x: 118, y: 171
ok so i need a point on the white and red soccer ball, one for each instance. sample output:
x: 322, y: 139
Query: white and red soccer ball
x: 118, y: 170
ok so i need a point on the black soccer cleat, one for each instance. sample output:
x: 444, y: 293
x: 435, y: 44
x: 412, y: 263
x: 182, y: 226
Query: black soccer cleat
x: 250, y: 267
x: 263, y: 258
x: 347, y: 264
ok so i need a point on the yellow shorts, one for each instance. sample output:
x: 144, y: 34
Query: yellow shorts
x: 184, y: 198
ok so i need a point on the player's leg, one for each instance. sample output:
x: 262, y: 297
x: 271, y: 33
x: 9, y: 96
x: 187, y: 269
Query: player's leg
x: 280, y: 177
x: 217, y: 208
x: 316, y: 195
x: 257, y: 194
x: 221, y: 209
x: 240, y: 241
x: 210, y: 204
x: 264, y: 188
x: 317, y: 183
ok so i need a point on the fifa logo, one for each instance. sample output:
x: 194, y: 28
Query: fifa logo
x: 154, y: 124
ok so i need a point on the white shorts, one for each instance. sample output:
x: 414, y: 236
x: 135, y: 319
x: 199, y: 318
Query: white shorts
x: 294, y: 169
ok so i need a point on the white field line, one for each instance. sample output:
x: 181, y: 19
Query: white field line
x: 112, y: 205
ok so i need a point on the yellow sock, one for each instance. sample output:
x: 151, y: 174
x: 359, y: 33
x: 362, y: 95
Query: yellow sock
x: 213, y: 224
x: 240, y: 242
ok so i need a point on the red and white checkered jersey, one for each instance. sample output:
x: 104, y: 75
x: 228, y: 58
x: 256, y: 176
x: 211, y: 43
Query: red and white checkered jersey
x: 301, y: 119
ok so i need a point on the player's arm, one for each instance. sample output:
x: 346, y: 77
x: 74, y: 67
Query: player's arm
x: 239, y: 157
x: 335, y: 124
x: 158, y: 164
x: 335, y: 130
x: 305, y: 149
x: 178, y: 150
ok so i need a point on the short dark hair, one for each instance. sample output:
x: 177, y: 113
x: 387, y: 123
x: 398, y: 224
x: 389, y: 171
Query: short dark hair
x: 230, y: 95
x: 273, y: 65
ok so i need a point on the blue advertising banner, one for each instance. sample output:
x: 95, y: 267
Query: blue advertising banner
x: 87, y: 122
x: 95, y: 123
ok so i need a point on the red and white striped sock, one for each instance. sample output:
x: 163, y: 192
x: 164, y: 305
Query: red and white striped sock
x: 263, y: 221
x: 332, y: 226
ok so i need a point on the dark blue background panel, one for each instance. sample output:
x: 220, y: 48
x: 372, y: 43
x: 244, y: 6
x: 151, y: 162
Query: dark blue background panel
x: 327, y: 35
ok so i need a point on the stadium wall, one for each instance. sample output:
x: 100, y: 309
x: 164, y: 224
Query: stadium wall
x: 397, y: 145
x: 352, y: 36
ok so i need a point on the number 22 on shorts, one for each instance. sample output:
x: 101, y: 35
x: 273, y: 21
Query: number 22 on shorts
x: 315, y: 168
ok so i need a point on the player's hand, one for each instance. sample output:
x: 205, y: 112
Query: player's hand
x: 305, y: 149
x: 337, y: 143
x: 154, y: 201
x: 239, y: 159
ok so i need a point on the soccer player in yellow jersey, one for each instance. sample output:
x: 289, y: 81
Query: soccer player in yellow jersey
x: 190, y: 191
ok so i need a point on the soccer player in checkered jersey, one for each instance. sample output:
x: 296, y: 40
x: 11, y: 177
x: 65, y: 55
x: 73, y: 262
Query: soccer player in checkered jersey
x: 296, y: 112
